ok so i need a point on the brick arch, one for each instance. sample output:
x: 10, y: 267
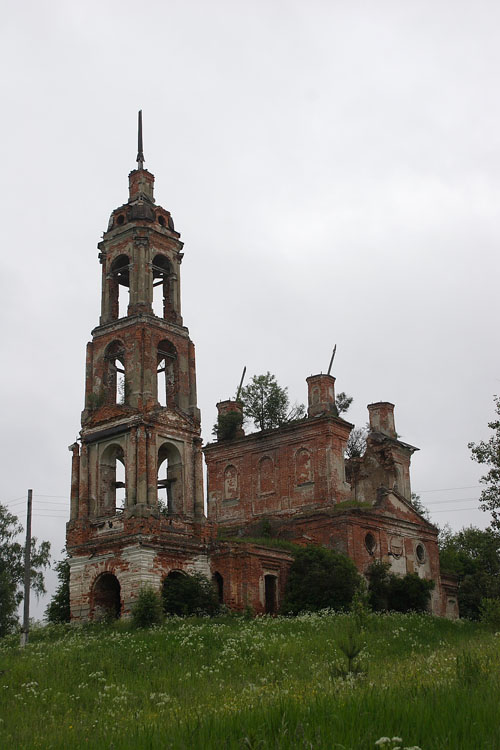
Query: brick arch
x: 118, y: 276
x: 108, y: 458
x: 114, y: 373
x: 105, y: 596
x: 167, y: 368
x: 163, y: 287
x: 170, y: 477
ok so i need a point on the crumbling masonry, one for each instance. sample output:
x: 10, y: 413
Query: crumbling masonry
x: 141, y: 422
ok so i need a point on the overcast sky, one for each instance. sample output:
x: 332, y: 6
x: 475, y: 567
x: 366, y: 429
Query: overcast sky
x: 334, y: 170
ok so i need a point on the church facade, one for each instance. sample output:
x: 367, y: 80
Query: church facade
x: 137, y: 495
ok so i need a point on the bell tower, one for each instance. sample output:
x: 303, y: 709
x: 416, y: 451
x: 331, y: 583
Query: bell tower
x: 138, y: 470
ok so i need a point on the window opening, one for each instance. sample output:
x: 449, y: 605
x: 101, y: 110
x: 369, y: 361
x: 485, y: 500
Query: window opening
x: 120, y: 485
x: 119, y: 277
x: 163, y: 278
x: 112, y: 481
x: 420, y: 553
x: 169, y: 482
x: 370, y: 543
x: 115, y: 375
x: 166, y: 374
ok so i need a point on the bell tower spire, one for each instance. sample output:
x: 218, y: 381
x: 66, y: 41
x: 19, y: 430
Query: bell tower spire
x: 140, y: 151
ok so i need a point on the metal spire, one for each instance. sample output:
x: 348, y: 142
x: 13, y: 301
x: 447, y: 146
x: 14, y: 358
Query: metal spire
x: 140, y: 152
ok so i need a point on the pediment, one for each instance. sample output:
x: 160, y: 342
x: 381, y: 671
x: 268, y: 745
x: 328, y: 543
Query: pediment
x: 391, y: 501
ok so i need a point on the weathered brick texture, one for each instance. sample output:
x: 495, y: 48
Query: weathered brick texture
x: 291, y: 483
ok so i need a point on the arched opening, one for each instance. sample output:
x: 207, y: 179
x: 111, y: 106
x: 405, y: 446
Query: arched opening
x: 119, y: 276
x: 167, y: 372
x: 114, y: 375
x: 270, y: 594
x: 112, y: 496
x: 218, y: 582
x: 169, y: 483
x: 163, y: 289
x: 106, y: 597
x: 370, y: 543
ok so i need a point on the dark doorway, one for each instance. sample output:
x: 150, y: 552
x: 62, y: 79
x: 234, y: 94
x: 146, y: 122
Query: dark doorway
x: 270, y: 594
x: 219, y: 585
x: 107, y: 602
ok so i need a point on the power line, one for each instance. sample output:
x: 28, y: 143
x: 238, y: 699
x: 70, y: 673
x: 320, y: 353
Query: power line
x: 449, y: 489
x: 452, y: 510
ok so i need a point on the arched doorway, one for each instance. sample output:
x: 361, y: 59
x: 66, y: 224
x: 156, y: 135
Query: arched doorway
x: 106, y: 597
x: 270, y: 587
x: 218, y: 582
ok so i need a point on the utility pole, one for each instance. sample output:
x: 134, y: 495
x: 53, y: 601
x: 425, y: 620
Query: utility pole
x: 27, y: 574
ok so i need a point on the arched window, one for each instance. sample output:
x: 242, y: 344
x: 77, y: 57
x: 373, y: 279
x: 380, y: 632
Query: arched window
x: 106, y: 597
x: 170, y: 492
x: 163, y: 291
x: 119, y: 276
x: 114, y: 376
x: 167, y: 374
x: 370, y: 543
x: 112, y: 489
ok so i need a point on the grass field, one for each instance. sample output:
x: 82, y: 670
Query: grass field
x: 262, y: 683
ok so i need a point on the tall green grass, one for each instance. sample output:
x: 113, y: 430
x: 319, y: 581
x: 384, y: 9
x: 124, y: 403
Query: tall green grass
x: 263, y: 683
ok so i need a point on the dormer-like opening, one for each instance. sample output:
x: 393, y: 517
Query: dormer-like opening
x: 114, y: 375
x: 167, y: 374
x: 119, y: 280
x: 163, y: 278
x: 161, y: 221
x: 120, y: 220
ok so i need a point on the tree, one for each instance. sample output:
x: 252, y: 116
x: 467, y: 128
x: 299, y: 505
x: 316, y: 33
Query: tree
x: 419, y: 506
x: 488, y: 452
x: 147, y: 610
x: 343, y: 402
x: 398, y: 593
x: 356, y: 443
x: 319, y: 578
x: 58, y: 609
x: 267, y: 403
x: 189, y: 595
x: 473, y: 555
x: 12, y: 569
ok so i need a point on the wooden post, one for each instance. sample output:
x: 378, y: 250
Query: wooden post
x: 27, y: 574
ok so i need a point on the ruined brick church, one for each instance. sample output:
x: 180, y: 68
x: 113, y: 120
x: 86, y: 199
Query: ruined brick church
x: 141, y: 441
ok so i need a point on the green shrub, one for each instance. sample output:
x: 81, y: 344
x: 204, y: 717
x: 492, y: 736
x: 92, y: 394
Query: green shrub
x: 490, y: 612
x: 409, y: 593
x: 319, y: 579
x: 378, y: 585
x: 147, y: 610
x: 398, y: 593
x: 189, y: 595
